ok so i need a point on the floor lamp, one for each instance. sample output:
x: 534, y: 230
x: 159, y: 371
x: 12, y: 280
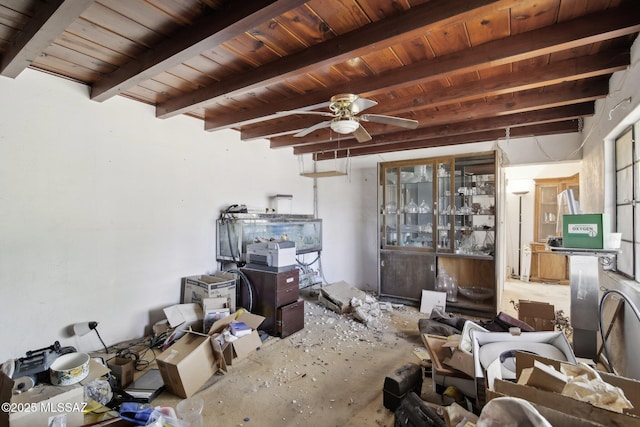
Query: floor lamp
x: 520, y: 194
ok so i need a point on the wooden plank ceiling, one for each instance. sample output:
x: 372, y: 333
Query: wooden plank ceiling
x: 465, y: 70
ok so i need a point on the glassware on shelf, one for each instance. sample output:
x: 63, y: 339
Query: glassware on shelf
x: 443, y: 239
x: 448, y: 284
x: 391, y: 208
x: 421, y: 172
x: 489, y: 240
x: 411, y: 207
x: 452, y: 289
x: 441, y: 171
x: 441, y: 280
x: 468, y: 243
x: 424, y: 207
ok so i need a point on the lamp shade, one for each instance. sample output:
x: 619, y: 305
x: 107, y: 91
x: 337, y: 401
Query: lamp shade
x: 344, y: 125
x: 84, y: 328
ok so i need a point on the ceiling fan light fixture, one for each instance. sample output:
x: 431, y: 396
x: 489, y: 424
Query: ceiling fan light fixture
x: 344, y: 125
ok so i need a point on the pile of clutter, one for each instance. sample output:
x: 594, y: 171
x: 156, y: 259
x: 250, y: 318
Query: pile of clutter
x: 506, y: 372
x: 345, y: 299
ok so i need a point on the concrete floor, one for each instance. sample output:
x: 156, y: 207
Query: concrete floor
x: 332, y: 372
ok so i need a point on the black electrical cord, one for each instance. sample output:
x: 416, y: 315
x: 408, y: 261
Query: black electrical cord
x: 307, y: 264
x: 131, y: 351
x: 247, y: 283
x: 100, y: 338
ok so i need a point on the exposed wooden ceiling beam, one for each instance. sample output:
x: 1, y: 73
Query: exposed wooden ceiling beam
x: 48, y: 22
x: 210, y: 30
x: 493, y: 135
x: 365, y: 40
x: 567, y: 35
x: 512, y: 121
x: 561, y: 71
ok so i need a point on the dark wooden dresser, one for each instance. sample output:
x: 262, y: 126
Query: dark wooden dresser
x: 275, y: 296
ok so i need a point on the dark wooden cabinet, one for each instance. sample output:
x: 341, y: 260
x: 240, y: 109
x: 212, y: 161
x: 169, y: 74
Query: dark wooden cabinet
x: 273, y: 294
x: 403, y: 275
x: 436, y: 215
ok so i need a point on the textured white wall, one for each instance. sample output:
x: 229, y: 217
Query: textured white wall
x: 613, y: 115
x: 103, y: 208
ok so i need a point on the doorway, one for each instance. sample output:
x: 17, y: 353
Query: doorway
x: 519, y: 234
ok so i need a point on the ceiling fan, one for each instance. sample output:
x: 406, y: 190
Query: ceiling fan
x: 345, y: 120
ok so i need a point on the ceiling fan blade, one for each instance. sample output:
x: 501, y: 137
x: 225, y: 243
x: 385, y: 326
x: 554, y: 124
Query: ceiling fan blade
x: 361, y: 134
x: 361, y: 104
x: 313, y: 128
x: 315, y: 113
x: 390, y: 120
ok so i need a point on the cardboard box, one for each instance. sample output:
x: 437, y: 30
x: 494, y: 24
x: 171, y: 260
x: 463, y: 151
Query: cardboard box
x: 123, y: 370
x: 213, y: 309
x: 585, y: 231
x: 443, y: 375
x: 43, y: 404
x: 187, y: 315
x: 439, y: 352
x: 218, y: 285
x: 544, y: 377
x: 461, y: 361
x: 243, y: 346
x: 583, y: 413
x: 187, y: 364
x: 540, y: 315
x: 554, y: 417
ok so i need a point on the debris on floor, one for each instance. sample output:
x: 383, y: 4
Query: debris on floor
x: 345, y: 299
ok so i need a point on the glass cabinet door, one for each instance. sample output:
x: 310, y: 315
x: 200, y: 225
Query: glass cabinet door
x: 446, y: 205
x: 390, y: 206
x: 408, y: 206
x: 473, y: 207
x: 548, y: 212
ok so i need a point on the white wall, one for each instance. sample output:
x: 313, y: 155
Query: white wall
x: 613, y: 115
x: 103, y: 208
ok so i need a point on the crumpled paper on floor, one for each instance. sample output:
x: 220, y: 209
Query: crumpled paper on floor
x: 584, y: 383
